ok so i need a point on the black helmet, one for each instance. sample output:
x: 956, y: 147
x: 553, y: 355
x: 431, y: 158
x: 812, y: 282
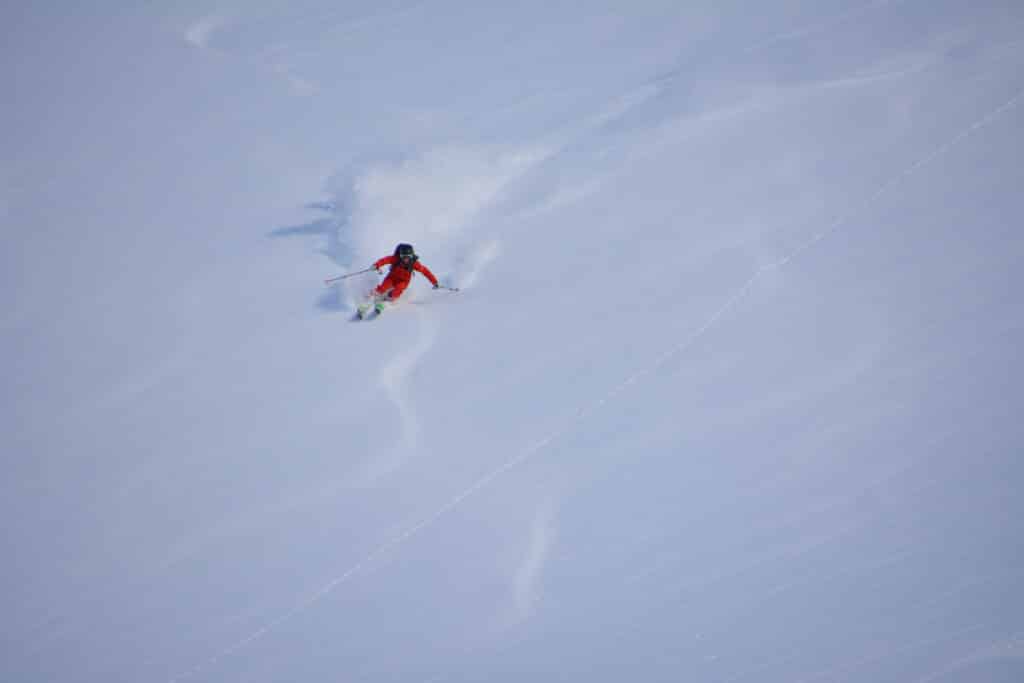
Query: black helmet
x: 405, y: 254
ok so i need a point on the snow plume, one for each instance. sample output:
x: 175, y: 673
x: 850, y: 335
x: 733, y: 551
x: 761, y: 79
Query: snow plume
x: 199, y: 33
x: 432, y: 200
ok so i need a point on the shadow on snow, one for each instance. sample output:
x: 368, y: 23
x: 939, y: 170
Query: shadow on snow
x: 332, y: 229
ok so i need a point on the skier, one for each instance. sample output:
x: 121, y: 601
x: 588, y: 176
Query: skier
x: 404, y: 262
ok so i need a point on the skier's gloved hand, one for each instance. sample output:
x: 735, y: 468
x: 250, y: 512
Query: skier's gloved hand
x: 437, y: 286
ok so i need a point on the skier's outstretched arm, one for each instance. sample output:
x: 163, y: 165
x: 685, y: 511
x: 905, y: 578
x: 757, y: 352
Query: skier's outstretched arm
x: 426, y: 271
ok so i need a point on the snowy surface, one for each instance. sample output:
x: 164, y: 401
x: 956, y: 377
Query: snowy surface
x: 732, y: 390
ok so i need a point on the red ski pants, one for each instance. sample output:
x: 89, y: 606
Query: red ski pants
x: 392, y: 286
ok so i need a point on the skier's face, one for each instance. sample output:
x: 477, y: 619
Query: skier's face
x: 406, y: 258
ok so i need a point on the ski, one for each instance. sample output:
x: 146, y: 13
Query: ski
x: 370, y: 309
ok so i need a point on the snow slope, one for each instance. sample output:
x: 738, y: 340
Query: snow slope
x: 731, y: 391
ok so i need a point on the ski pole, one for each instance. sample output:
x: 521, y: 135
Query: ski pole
x: 342, y: 277
x: 450, y: 289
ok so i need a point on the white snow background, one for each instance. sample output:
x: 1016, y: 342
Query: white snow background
x: 731, y: 392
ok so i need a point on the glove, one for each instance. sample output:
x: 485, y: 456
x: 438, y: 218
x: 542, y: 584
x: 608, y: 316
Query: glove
x: 378, y: 271
x: 437, y: 286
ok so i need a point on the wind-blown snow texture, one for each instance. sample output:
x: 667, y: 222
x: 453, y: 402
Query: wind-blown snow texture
x: 731, y: 392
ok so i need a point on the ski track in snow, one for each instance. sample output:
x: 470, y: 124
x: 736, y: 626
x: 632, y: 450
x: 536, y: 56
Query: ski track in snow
x: 393, y: 378
x: 200, y: 33
x: 398, y: 369
x: 395, y: 372
x: 527, y: 578
x: 1011, y: 647
x: 833, y: 673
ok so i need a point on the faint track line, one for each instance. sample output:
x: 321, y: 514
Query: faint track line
x: 821, y: 26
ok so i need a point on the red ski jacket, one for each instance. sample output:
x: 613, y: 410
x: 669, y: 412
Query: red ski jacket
x: 400, y: 273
